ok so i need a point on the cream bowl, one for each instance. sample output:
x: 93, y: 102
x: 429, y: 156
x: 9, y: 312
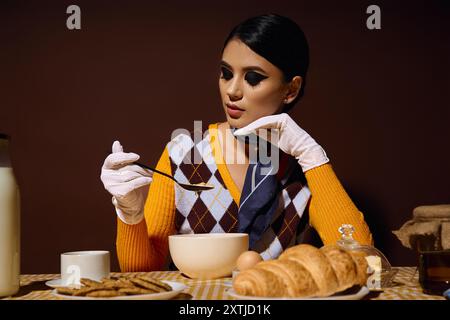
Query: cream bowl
x: 207, y: 255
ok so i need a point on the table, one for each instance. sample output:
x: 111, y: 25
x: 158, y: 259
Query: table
x: 405, y: 287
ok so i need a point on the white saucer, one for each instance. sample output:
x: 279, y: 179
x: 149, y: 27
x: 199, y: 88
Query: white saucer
x: 56, y: 283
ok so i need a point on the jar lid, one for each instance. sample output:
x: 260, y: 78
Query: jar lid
x: 4, y: 136
x: 431, y: 212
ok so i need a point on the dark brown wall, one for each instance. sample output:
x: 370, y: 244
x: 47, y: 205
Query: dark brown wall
x: 377, y: 101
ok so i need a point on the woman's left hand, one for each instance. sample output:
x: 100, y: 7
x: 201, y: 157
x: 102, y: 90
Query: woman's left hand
x: 292, y: 140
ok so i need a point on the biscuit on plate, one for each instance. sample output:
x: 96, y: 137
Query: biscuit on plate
x: 85, y: 290
x: 103, y: 293
x: 147, y: 285
x: 117, y: 284
x: 89, y: 282
x: 66, y: 290
x: 156, y: 282
x: 135, y: 290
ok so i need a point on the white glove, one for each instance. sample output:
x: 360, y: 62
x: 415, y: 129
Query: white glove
x: 292, y: 140
x: 127, y: 183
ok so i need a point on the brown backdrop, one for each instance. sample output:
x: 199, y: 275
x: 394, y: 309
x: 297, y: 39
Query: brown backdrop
x: 376, y: 100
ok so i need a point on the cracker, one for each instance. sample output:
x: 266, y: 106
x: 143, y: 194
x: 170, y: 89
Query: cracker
x: 135, y: 290
x: 66, y: 290
x: 103, y: 293
x: 117, y: 284
x: 125, y: 283
x: 147, y: 285
x: 89, y: 282
x: 156, y: 282
x: 84, y: 291
x: 108, y: 282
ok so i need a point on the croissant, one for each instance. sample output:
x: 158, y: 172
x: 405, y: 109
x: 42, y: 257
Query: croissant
x: 304, y: 271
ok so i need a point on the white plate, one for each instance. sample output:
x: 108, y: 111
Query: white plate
x: 353, y: 296
x: 177, y: 287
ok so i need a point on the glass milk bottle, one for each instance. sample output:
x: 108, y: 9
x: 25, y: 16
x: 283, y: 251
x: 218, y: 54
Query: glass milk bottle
x: 9, y: 224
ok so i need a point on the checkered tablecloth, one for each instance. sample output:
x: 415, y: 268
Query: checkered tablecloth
x: 405, y: 286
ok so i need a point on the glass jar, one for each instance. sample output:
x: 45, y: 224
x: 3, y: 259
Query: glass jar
x: 434, y: 271
x: 9, y: 224
x: 380, y: 270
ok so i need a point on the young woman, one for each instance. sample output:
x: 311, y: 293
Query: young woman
x: 262, y: 76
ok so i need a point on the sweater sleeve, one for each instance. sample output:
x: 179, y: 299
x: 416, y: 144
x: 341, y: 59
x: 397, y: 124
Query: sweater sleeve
x: 144, y: 246
x: 330, y: 207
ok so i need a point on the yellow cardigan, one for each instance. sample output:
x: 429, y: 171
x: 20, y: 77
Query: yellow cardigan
x: 144, y: 246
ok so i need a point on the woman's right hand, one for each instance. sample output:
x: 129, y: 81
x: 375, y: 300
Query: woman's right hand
x: 127, y: 183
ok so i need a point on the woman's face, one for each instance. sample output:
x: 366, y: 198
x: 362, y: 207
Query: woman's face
x: 250, y: 86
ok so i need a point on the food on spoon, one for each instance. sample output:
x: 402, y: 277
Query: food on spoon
x: 202, y: 184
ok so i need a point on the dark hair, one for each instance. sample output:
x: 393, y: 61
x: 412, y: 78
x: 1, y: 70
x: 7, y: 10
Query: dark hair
x: 280, y: 41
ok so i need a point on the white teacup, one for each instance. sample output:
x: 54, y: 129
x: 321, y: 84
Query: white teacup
x: 94, y: 265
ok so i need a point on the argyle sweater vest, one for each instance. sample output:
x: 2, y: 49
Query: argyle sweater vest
x: 215, y: 211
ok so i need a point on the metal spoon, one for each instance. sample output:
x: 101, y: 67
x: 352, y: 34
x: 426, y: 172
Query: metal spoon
x: 197, y: 187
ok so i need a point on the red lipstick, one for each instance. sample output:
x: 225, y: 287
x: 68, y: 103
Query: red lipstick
x: 234, y: 111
